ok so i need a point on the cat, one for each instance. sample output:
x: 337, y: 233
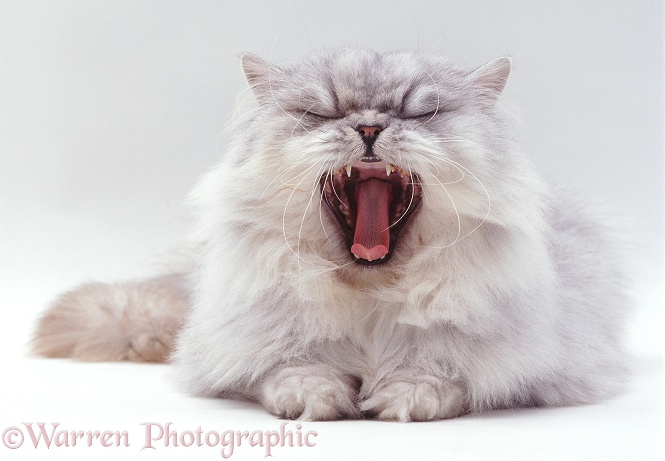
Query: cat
x: 374, y: 243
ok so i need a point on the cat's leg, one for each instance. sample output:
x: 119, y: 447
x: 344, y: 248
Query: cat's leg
x: 134, y: 321
x: 411, y: 395
x: 315, y: 392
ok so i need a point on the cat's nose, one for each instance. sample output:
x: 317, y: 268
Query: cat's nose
x: 369, y: 133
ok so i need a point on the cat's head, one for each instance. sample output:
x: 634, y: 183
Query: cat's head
x: 393, y: 145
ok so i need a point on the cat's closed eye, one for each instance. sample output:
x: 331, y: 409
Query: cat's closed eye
x: 322, y: 115
x: 425, y: 115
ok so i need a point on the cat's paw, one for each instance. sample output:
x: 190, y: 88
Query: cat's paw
x: 420, y: 398
x: 310, y: 392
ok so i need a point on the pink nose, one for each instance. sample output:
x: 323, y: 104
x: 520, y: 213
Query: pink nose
x: 369, y: 132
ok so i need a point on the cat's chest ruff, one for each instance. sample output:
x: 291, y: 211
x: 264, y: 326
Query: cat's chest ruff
x: 376, y: 333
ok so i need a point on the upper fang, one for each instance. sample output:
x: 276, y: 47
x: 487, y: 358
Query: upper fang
x: 348, y: 170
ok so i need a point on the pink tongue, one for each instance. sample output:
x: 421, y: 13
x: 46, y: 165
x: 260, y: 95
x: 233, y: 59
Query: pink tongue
x: 372, y: 237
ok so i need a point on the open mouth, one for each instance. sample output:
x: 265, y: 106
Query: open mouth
x: 371, y: 202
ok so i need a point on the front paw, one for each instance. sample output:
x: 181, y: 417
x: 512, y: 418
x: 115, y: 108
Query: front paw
x: 310, y: 392
x: 417, y: 398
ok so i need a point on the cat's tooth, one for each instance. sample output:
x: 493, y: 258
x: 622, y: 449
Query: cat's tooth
x: 348, y: 170
x: 389, y: 169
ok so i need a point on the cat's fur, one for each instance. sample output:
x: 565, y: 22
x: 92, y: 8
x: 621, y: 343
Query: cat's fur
x: 498, y: 292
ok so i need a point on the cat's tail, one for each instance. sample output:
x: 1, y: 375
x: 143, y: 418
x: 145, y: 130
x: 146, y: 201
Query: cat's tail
x: 100, y: 322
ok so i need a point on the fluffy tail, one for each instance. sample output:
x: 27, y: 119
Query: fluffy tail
x: 101, y: 322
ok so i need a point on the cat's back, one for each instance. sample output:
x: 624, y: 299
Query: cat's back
x: 589, y: 244
x: 592, y: 260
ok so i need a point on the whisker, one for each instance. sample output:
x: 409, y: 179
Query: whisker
x: 286, y: 206
x: 489, y: 202
x: 459, y: 220
x: 309, y: 203
x: 437, y: 168
x: 343, y: 265
x: 457, y: 139
x: 321, y: 207
x: 299, y: 121
x: 413, y: 193
x: 302, y: 23
x: 289, y: 181
x: 332, y: 184
x: 428, y: 160
x: 438, y: 98
x: 281, y: 175
x: 458, y: 238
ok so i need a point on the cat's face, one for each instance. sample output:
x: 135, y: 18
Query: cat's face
x: 392, y: 142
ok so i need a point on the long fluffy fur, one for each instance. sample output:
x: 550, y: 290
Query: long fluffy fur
x: 97, y: 322
x: 500, y: 292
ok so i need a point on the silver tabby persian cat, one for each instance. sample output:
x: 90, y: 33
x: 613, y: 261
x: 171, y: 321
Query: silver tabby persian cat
x: 374, y: 243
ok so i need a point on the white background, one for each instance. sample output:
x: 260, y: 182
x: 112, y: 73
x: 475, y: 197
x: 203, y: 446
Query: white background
x: 110, y: 111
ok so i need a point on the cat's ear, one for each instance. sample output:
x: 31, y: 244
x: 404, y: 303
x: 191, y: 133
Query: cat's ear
x: 492, y: 77
x: 261, y: 76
